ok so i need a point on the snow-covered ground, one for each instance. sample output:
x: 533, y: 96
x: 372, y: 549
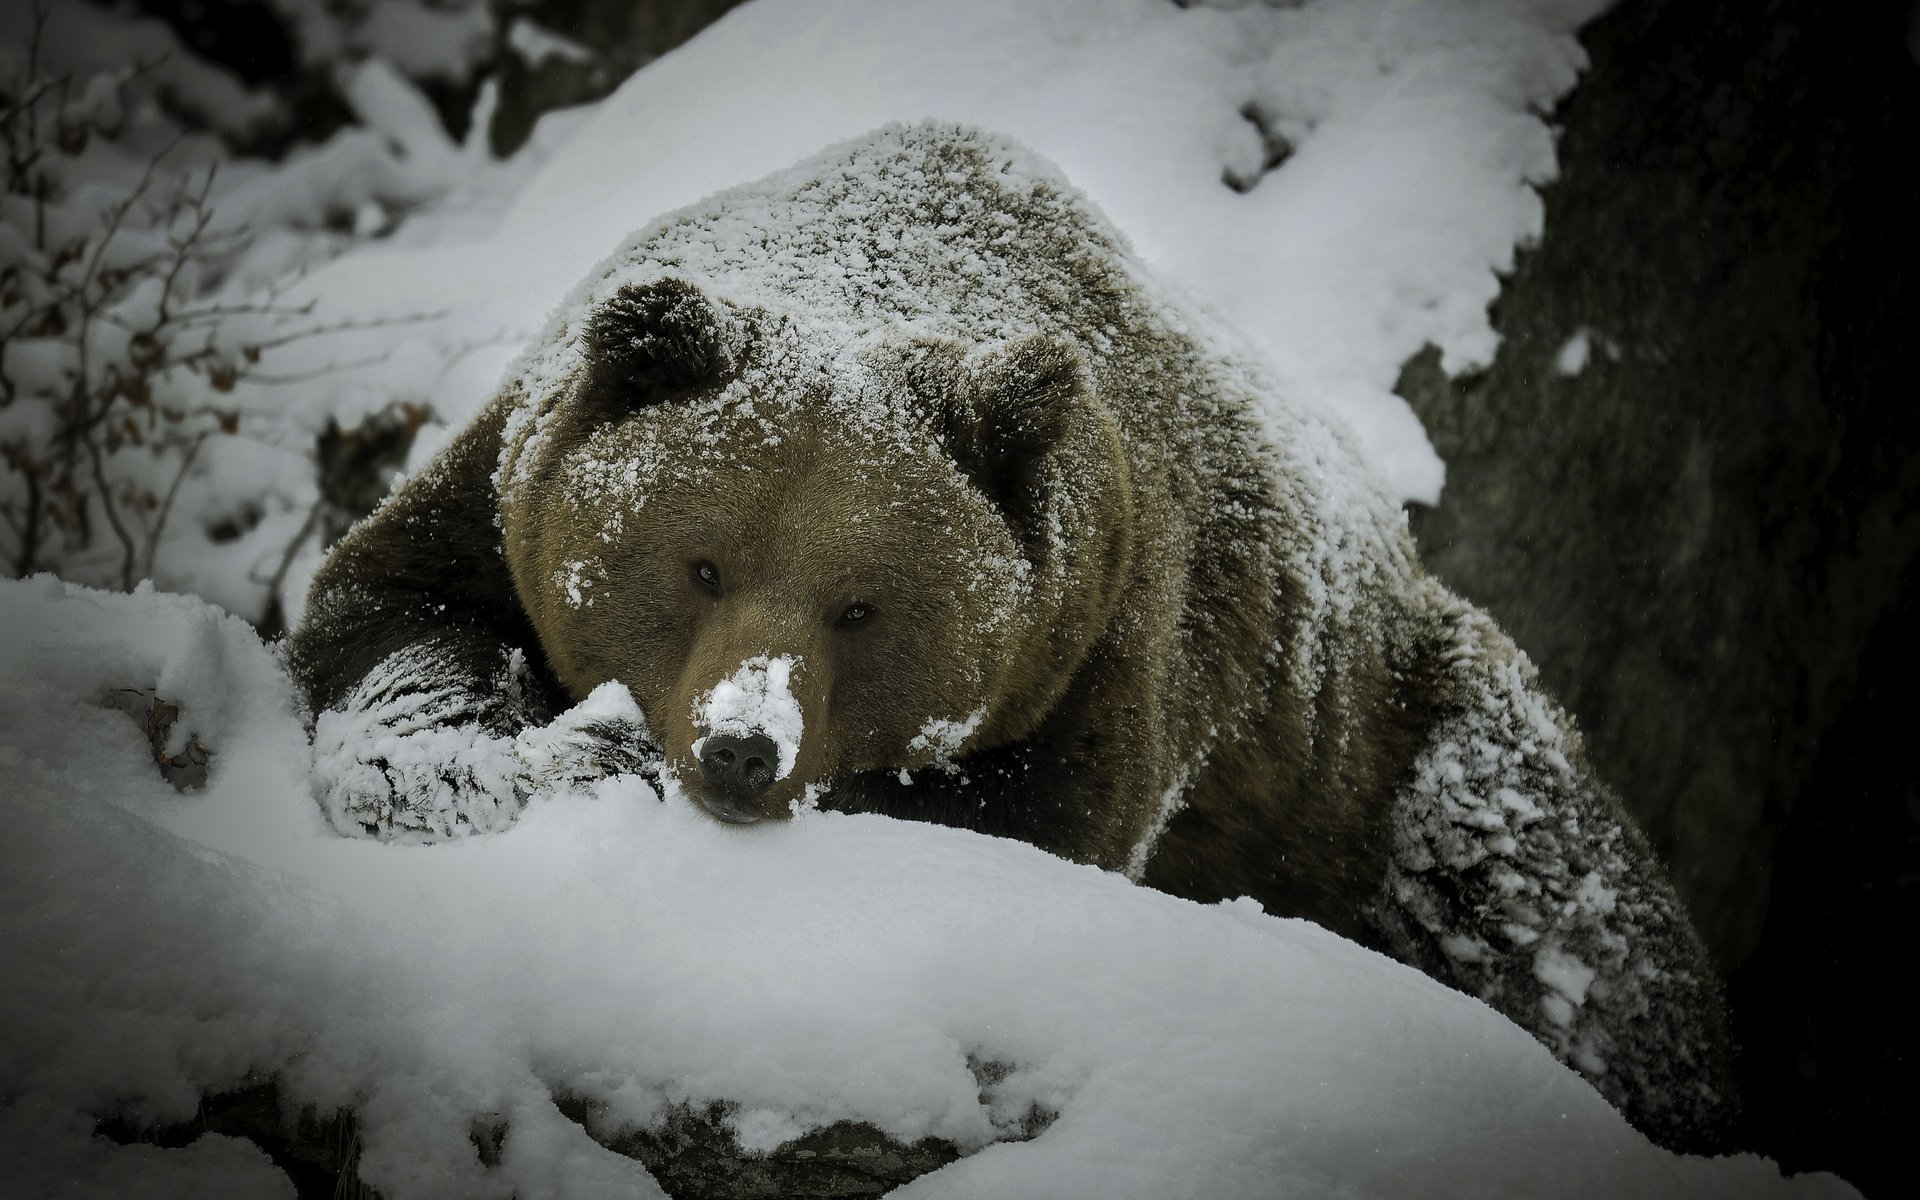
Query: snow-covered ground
x: 639, y: 953
x: 157, y: 945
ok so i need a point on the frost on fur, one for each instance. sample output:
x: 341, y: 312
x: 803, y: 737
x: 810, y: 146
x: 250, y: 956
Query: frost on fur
x: 410, y: 757
x: 603, y: 735
x: 1515, y: 878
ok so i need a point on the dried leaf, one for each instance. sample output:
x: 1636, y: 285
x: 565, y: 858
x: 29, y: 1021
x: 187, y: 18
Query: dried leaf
x: 143, y: 349
x: 50, y: 323
x: 156, y: 715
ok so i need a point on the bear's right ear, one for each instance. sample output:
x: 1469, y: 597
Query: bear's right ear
x: 650, y: 342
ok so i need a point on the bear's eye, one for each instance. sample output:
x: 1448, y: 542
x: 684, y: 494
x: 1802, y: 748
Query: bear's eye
x: 854, y: 614
x: 707, y: 575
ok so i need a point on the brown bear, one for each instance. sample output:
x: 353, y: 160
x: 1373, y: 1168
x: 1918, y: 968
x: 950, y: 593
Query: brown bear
x: 895, y: 483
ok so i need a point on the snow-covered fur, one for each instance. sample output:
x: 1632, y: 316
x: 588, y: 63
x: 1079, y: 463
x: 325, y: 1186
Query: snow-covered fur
x: 1119, y: 596
x: 1517, y: 877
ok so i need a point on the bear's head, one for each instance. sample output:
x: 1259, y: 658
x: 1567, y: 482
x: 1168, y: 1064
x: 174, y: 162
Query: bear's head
x: 809, y: 553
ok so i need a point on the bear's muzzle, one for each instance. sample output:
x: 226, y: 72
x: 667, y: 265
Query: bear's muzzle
x: 739, y: 770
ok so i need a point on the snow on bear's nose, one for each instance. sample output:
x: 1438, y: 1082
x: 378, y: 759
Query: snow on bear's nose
x: 754, y: 704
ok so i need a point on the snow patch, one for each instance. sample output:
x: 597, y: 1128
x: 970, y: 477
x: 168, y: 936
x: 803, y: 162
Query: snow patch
x: 945, y: 737
x: 575, y: 579
x: 1564, y: 973
x: 756, y: 698
x: 1172, y: 800
x: 535, y: 43
x: 406, y: 757
x: 1571, y: 358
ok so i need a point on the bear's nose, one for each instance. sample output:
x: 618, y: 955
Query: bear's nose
x: 741, y: 767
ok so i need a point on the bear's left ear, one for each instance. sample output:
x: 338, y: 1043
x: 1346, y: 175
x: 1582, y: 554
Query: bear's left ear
x: 1036, y: 439
x: 650, y: 342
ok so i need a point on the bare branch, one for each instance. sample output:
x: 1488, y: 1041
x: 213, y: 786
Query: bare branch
x: 118, y: 213
x: 166, y: 506
x: 34, y: 96
x: 183, y: 249
x: 112, y: 511
x: 279, y: 577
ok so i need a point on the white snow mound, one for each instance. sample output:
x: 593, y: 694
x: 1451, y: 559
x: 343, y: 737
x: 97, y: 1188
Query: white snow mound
x: 159, y: 944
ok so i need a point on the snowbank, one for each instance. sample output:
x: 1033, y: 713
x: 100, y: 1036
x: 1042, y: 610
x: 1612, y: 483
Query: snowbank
x: 159, y: 944
x: 1413, y: 128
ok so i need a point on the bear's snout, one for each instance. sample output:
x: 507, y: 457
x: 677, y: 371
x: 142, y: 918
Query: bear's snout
x: 746, y: 733
x: 740, y: 770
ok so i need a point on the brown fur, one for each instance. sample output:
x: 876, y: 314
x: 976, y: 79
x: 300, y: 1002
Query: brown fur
x: 1068, y: 503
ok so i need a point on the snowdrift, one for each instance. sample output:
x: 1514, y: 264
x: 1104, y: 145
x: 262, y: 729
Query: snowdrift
x: 625, y: 949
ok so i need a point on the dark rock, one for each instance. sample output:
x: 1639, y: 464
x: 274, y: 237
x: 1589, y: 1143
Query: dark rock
x: 619, y: 38
x: 318, y: 1152
x: 695, y: 1157
x: 1696, y: 534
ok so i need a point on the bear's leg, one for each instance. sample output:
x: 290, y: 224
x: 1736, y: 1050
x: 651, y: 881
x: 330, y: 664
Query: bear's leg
x: 1516, y: 876
x: 430, y: 695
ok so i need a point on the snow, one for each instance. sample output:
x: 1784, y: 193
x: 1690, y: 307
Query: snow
x: 429, y: 40
x: 1571, y: 358
x: 944, y: 737
x: 756, y: 699
x: 1171, y: 802
x: 536, y: 43
x: 1576, y: 353
x: 433, y: 767
x: 81, y: 39
x: 159, y: 944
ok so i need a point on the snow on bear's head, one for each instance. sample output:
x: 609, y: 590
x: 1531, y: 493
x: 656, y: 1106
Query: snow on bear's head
x: 802, y: 544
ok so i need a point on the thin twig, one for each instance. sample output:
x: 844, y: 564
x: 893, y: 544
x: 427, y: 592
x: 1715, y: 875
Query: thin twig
x: 113, y: 515
x: 119, y: 211
x: 183, y: 250
x: 319, y: 372
x: 34, y: 96
x: 275, y: 611
x: 166, y: 506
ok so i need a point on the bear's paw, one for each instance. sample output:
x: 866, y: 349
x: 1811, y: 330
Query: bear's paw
x: 427, y: 784
x: 602, y: 736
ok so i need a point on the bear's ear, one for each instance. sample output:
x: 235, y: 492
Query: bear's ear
x: 650, y: 342
x: 1030, y: 432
